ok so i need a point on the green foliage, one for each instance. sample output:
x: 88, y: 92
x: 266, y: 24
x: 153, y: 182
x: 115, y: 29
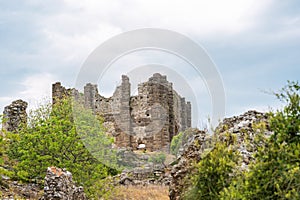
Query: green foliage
x: 3, y: 155
x: 3, y: 159
x: 276, y: 173
x: 158, y: 158
x: 179, y: 140
x: 286, y: 123
x: 176, y: 143
x: 104, y: 188
x: 214, y: 172
x: 58, y: 137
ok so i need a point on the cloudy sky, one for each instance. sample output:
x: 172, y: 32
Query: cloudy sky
x: 254, y: 44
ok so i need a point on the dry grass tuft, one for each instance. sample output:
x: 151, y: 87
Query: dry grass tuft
x: 152, y: 192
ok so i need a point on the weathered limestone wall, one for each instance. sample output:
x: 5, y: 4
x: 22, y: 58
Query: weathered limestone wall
x: 90, y: 95
x: 188, y: 114
x: 152, y: 108
x: 59, y: 92
x: 182, y: 112
x: 122, y: 114
x: 151, y: 118
x: 14, y: 115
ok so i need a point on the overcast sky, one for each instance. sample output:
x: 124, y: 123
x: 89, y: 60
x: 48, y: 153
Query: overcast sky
x: 254, y: 44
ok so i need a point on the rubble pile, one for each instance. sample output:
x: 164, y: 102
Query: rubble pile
x: 59, y: 185
x: 196, y: 147
x: 16, y: 190
x: 243, y: 126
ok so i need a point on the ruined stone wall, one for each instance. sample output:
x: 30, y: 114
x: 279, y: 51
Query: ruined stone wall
x: 14, y: 115
x: 188, y: 115
x: 151, y: 118
x: 182, y: 112
x: 152, y: 114
x: 90, y: 94
x: 59, y: 92
x: 122, y: 115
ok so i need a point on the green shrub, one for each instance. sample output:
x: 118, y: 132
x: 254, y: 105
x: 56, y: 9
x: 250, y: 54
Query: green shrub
x: 275, y: 173
x: 214, y: 172
x: 53, y: 139
x: 158, y: 158
x: 176, y: 143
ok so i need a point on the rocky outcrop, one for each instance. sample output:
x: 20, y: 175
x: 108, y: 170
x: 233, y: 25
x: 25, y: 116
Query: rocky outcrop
x: 199, y: 143
x: 59, y: 185
x: 193, y: 149
x: 245, y: 127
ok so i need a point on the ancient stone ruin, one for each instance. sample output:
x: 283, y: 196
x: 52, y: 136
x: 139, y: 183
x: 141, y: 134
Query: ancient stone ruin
x: 148, y: 120
x: 14, y: 115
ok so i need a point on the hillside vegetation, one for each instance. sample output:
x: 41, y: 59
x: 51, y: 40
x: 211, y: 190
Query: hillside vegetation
x: 51, y: 138
x: 275, y: 171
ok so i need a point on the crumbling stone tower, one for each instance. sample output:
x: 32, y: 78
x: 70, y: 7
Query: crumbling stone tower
x: 14, y: 115
x: 59, y: 92
x: 150, y: 118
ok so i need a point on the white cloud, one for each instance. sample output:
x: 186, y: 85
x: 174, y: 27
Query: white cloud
x: 83, y: 25
x: 77, y: 27
x: 37, y: 87
x: 201, y: 16
x: 5, y: 101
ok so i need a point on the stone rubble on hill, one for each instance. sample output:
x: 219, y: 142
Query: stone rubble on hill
x: 243, y: 127
x: 59, y: 185
x: 155, y: 174
x: 11, y: 190
x: 198, y: 144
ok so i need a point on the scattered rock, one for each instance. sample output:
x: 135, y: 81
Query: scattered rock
x: 15, y: 190
x: 150, y: 174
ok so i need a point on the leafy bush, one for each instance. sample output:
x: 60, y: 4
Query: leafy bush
x: 158, y: 158
x: 53, y: 139
x: 4, y: 161
x: 276, y: 173
x: 214, y: 172
x: 176, y: 143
